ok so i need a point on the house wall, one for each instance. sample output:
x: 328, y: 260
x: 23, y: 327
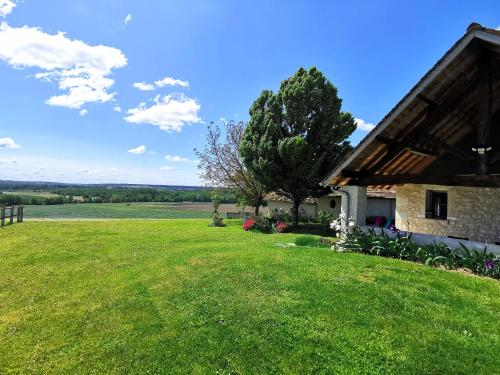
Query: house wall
x: 473, y: 213
x: 324, y: 205
x: 375, y: 207
x: 306, y: 210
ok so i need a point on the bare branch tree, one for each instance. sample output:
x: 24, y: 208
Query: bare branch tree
x: 221, y: 165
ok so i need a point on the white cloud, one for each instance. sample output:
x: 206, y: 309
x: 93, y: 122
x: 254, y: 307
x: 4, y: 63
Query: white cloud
x: 8, y: 143
x: 168, y: 113
x: 83, y: 112
x: 128, y: 19
x: 497, y: 28
x: 363, y: 125
x: 93, y: 171
x: 6, y: 7
x: 143, y: 86
x: 169, y: 81
x: 81, y: 70
x: 8, y: 161
x: 117, y: 108
x: 138, y: 150
x: 167, y: 168
x: 179, y: 159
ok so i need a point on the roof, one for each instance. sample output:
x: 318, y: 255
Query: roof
x: 442, y: 106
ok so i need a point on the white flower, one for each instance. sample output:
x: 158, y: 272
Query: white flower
x: 351, y: 224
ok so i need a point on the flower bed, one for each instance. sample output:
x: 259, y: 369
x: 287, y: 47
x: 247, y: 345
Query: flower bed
x: 402, y: 246
x: 265, y: 225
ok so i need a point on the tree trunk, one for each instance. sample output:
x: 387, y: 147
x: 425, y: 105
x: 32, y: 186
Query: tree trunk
x: 295, y: 212
x: 256, y: 210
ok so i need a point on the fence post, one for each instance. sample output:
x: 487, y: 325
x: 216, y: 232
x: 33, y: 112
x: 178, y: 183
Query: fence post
x: 22, y: 213
x: 11, y: 214
x: 18, y: 214
x: 2, y: 216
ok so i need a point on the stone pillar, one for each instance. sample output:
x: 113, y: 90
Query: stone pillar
x: 354, y: 203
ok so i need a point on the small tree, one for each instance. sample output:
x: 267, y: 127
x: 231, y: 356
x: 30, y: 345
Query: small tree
x: 221, y: 165
x: 296, y: 136
x: 217, y: 220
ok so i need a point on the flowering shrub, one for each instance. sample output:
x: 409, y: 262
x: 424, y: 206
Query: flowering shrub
x: 342, y: 224
x: 258, y: 223
x: 279, y: 214
x: 281, y: 227
x: 248, y: 224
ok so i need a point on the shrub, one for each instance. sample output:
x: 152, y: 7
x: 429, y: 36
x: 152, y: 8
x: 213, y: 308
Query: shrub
x: 312, y: 241
x: 325, y: 217
x: 263, y: 224
x: 248, y: 224
x: 258, y: 223
x: 281, y: 227
x: 217, y: 220
x: 279, y: 214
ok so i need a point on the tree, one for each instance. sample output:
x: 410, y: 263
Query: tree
x: 221, y: 165
x: 296, y: 136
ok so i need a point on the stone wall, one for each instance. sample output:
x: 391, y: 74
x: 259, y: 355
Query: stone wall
x: 473, y: 213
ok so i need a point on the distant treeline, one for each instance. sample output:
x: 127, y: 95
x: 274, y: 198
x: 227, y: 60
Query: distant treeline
x: 117, y: 195
x: 114, y: 195
x: 14, y: 199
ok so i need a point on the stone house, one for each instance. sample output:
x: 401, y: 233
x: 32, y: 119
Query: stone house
x: 439, y: 148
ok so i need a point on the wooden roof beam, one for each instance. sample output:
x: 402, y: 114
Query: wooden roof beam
x: 434, y: 114
x: 471, y: 180
x: 485, y: 107
x: 453, y: 150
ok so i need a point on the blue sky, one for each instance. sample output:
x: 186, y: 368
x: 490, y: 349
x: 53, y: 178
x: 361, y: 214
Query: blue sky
x: 124, y: 92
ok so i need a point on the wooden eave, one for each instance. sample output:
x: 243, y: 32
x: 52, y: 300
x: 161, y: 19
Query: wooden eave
x: 436, y: 120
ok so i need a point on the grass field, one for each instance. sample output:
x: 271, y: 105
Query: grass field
x: 32, y: 193
x: 115, y: 297
x: 124, y: 211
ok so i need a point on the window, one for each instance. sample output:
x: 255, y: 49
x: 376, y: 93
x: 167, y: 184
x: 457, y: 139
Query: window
x: 332, y: 204
x: 436, y: 205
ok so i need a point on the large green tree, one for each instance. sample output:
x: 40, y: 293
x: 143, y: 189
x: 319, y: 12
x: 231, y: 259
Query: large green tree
x: 296, y: 136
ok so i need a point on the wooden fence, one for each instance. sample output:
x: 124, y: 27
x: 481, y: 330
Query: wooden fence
x: 8, y: 213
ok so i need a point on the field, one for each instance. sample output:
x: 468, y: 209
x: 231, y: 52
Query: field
x: 31, y: 193
x: 125, y: 211
x: 175, y: 296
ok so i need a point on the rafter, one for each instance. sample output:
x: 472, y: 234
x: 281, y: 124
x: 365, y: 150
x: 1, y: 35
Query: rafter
x: 471, y: 180
x: 420, y: 129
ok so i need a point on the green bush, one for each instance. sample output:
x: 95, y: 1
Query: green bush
x: 312, y: 241
x: 263, y: 224
x: 279, y: 214
x: 325, y: 217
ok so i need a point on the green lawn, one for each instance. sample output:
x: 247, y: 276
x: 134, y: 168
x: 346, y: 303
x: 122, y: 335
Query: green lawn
x: 113, y: 211
x: 175, y: 296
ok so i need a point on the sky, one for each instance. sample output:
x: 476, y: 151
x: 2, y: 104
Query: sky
x: 122, y: 91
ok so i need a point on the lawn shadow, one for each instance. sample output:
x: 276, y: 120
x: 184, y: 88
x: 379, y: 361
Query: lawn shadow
x: 314, y: 229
